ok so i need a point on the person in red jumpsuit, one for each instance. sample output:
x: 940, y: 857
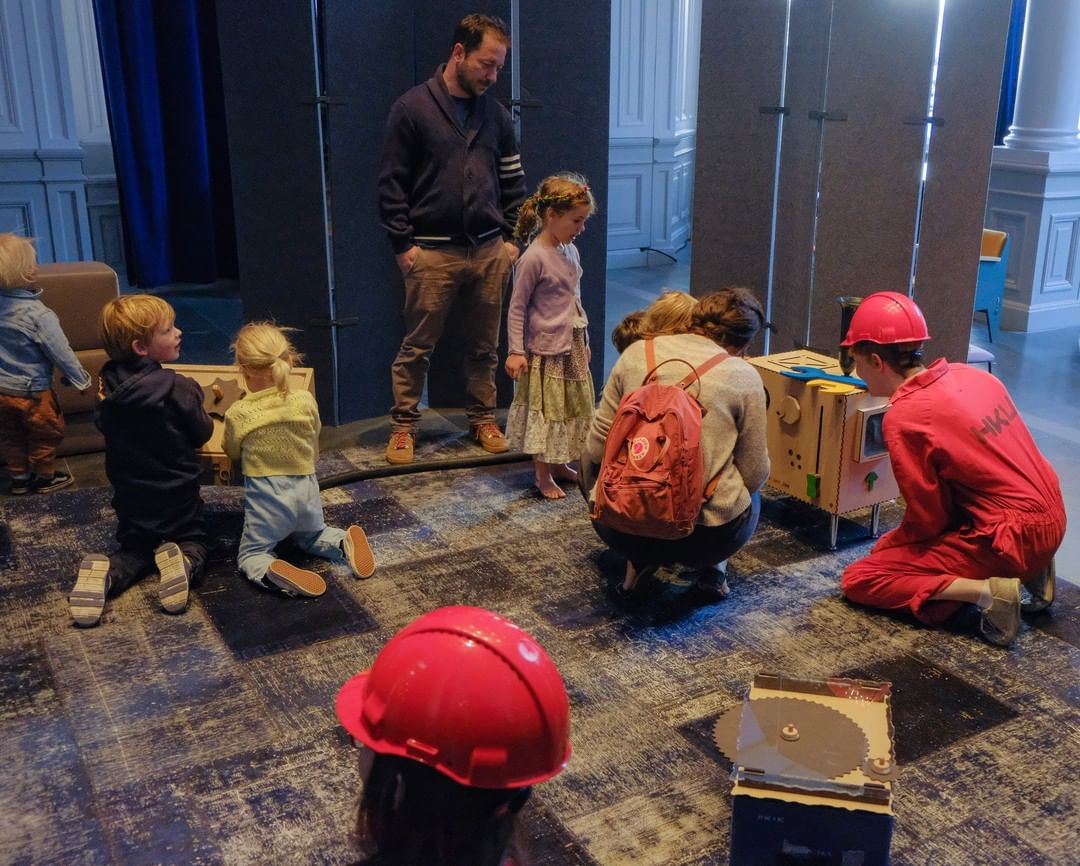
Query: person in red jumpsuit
x: 984, y: 513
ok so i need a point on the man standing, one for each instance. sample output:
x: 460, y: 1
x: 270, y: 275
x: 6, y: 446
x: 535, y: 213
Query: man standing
x: 450, y: 185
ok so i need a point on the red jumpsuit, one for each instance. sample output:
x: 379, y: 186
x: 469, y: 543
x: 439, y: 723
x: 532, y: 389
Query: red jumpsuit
x: 981, y: 499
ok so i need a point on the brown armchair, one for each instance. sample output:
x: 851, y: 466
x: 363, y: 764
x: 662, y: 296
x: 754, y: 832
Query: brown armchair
x: 77, y: 292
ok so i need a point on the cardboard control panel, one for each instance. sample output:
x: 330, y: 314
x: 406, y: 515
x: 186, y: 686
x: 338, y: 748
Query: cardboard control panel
x: 223, y: 385
x: 825, y: 440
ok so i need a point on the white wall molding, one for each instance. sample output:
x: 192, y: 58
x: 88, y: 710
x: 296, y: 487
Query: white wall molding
x: 1036, y: 199
x: 84, y: 61
x: 654, y: 72
x: 42, y: 186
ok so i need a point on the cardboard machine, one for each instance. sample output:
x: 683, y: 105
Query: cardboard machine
x: 825, y: 436
x: 222, y: 386
x: 813, y: 765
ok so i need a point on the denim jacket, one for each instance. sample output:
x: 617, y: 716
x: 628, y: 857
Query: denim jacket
x: 31, y: 344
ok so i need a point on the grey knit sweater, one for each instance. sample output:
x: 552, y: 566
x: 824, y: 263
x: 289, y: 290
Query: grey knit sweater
x: 732, y: 431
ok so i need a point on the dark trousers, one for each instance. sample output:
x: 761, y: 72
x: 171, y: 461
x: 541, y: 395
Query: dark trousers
x: 184, y: 524
x: 704, y: 547
x: 129, y: 565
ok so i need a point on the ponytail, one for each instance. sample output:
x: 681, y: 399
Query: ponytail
x: 263, y: 345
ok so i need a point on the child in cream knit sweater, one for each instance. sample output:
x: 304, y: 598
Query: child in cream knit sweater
x: 274, y: 431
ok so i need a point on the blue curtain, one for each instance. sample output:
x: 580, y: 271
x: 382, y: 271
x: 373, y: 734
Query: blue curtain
x: 166, y: 108
x: 1012, y: 68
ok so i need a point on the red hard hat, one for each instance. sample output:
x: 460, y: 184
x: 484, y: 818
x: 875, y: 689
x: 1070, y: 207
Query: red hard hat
x: 887, y: 317
x: 467, y: 692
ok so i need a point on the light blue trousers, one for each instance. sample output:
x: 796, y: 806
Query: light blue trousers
x: 279, y: 507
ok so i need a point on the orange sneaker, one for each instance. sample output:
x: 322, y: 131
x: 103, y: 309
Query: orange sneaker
x: 358, y: 552
x: 294, y: 580
x: 490, y: 437
x: 400, y: 447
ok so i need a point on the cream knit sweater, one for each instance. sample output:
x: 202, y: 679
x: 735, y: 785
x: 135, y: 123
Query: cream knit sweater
x: 274, y: 433
x: 733, y: 441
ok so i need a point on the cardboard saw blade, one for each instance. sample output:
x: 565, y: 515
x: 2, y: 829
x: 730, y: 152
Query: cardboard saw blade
x: 791, y: 737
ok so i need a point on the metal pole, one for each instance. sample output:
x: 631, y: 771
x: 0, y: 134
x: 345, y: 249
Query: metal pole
x: 515, y: 68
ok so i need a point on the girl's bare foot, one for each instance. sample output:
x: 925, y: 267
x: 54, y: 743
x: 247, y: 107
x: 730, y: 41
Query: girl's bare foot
x: 545, y: 483
x: 563, y: 472
x: 549, y: 489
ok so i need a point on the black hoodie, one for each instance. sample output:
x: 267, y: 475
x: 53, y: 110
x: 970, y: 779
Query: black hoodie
x: 153, y: 420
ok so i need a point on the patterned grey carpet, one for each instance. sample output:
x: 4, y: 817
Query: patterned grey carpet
x: 210, y: 737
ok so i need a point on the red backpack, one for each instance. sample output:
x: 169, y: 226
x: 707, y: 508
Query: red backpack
x: 652, y: 479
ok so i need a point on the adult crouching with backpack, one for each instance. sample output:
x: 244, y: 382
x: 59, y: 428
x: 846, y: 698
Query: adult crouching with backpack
x: 679, y: 478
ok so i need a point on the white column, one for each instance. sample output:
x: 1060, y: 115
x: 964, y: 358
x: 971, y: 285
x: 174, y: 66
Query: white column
x: 1034, y: 191
x: 1048, y: 88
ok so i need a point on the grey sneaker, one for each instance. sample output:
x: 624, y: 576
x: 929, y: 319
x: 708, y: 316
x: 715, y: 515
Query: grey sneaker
x: 1041, y: 590
x: 87, y: 599
x: 1000, y: 622
x: 175, y: 577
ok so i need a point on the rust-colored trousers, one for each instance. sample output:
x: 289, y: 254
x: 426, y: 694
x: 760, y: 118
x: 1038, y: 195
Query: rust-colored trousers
x: 31, y: 429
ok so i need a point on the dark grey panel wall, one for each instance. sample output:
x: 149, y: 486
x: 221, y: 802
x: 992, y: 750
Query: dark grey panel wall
x: 565, y: 61
x: 364, y: 76
x: 742, y: 49
x: 269, y: 79
x: 800, y: 155
x: 878, y: 76
x: 972, y: 53
x: 373, y: 53
x: 848, y: 190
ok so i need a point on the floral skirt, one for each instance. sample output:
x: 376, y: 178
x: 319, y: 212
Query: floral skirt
x: 553, y: 405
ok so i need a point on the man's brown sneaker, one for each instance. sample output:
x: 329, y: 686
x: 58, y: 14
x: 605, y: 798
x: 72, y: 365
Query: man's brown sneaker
x: 1001, y: 621
x: 490, y: 437
x: 1041, y: 590
x: 400, y: 447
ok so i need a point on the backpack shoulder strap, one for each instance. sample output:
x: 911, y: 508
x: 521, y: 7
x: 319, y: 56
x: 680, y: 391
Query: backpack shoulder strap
x: 700, y: 371
x: 650, y: 361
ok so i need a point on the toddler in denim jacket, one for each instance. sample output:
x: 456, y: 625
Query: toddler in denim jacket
x: 31, y: 345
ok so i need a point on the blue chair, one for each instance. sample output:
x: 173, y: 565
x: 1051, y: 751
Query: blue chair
x: 990, y: 288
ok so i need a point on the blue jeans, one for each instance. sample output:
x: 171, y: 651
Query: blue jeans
x: 279, y: 507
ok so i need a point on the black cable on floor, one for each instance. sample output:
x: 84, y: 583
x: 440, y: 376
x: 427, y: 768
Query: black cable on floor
x: 425, y: 466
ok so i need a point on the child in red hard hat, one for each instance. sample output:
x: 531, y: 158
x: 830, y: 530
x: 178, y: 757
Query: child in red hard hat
x: 984, y: 509
x: 461, y: 713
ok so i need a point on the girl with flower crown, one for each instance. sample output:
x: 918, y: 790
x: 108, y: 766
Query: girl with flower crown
x: 546, y: 327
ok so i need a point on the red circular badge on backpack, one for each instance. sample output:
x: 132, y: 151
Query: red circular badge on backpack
x: 639, y: 447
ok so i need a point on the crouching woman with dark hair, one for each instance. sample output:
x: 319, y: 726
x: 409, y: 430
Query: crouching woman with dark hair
x: 461, y: 713
x: 733, y: 444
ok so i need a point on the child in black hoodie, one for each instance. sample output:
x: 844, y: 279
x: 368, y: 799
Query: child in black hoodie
x: 153, y: 420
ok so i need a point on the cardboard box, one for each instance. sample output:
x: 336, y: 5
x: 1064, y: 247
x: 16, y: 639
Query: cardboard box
x: 218, y: 466
x: 825, y: 440
x: 803, y: 814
